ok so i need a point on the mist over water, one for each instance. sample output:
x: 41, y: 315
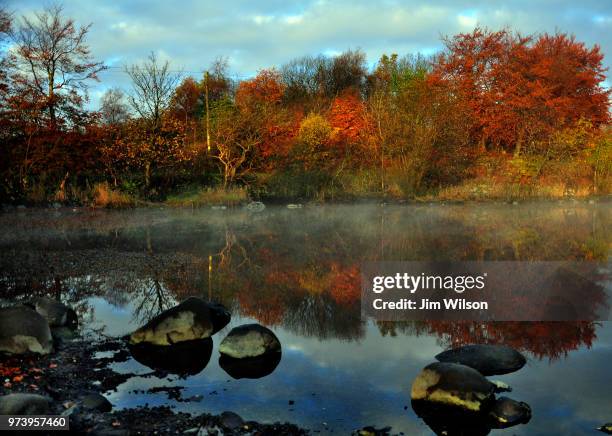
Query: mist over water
x: 297, y: 272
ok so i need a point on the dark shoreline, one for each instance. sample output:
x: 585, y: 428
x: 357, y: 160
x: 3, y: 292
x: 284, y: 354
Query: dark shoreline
x: 340, y: 201
x: 72, y: 371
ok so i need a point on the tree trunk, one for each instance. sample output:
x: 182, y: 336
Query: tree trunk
x: 147, y: 174
x: 519, y: 143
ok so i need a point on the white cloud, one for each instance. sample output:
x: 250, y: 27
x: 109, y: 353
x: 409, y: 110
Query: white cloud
x: 263, y: 19
x: 467, y: 21
x: 293, y: 19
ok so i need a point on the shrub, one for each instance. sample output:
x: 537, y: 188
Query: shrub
x: 198, y: 197
x: 105, y: 196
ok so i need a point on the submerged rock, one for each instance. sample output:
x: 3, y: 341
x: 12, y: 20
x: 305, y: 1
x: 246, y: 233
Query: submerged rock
x: 193, y: 319
x: 184, y: 358
x: 231, y: 420
x: 249, y: 340
x: 256, y: 206
x: 606, y: 428
x: 372, y: 431
x: 96, y: 402
x: 252, y: 367
x: 23, y: 330
x: 446, y: 419
x: 486, y: 359
x: 56, y: 313
x: 507, y: 412
x: 454, y: 385
x: 24, y: 404
x: 500, y: 386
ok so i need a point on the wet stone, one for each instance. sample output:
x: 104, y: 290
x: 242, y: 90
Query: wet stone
x: 486, y: 359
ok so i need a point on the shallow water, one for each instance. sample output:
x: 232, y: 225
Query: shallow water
x: 297, y: 271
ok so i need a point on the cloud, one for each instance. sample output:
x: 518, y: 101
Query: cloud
x: 255, y: 35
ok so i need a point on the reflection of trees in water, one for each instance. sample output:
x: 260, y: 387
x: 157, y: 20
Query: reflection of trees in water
x: 298, y: 269
x: 150, y: 298
x: 321, y: 317
x: 552, y: 340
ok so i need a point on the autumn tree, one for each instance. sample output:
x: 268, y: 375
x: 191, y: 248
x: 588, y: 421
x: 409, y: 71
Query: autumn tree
x: 521, y: 88
x: 142, y: 149
x: 236, y: 133
x: 261, y: 98
x: 187, y: 99
x: 261, y: 92
x: 54, y: 63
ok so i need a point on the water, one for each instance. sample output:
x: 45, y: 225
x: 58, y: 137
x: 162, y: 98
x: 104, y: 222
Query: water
x: 297, y: 271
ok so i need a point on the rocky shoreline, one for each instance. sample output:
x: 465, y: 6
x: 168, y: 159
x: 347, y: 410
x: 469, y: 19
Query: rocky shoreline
x: 48, y: 368
x: 53, y: 376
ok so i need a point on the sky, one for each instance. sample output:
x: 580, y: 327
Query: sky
x: 265, y: 33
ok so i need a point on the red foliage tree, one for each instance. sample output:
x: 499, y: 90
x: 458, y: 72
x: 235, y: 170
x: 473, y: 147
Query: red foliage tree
x: 519, y: 88
x: 265, y: 88
x: 348, y: 117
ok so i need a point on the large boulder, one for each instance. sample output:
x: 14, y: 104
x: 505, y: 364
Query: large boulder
x: 454, y: 385
x: 249, y: 340
x: 193, y: 319
x: 56, y: 313
x: 486, y: 359
x: 22, y: 330
x: 24, y: 404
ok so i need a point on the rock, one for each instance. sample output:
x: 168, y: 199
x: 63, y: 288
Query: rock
x: 449, y: 420
x: 24, y: 404
x: 371, y: 431
x: 252, y: 367
x: 96, y: 402
x: 56, y: 313
x: 63, y: 334
x: 256, y: 206
x: 507, y: 412
x: 500, y: 386
x: 23, y: 330
x: 193, y: 319
x: 454, y: 385
x: 486, y: 359
x: 249, y: 340
x: 184, y: 358
x: 231, y: 420
x: 606, y: 428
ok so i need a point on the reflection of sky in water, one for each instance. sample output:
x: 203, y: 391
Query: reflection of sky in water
x: 349, y: 384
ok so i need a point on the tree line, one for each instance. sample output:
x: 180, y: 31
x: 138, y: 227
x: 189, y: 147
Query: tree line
x: 493, y: 108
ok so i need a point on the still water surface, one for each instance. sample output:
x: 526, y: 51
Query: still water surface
x: 297, y: 272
